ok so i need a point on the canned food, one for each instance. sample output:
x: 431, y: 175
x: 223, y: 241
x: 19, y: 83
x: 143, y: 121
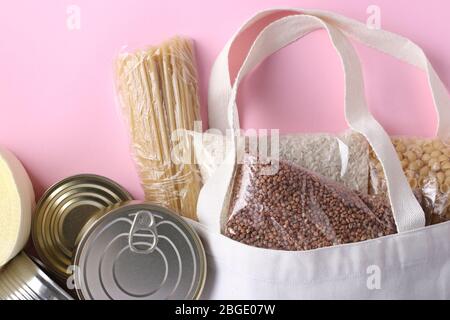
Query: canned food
x: 63, y: 211
x: 22, y: 279
x: 140, y: 251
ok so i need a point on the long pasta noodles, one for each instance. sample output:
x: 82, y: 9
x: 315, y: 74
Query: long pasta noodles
x: 158, y: 93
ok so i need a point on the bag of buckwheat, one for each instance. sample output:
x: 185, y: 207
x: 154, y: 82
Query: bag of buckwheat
x: 296, y: 209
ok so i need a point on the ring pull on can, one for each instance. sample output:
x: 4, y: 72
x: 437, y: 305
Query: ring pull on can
x: 108, y: 263
x: 143, y: 221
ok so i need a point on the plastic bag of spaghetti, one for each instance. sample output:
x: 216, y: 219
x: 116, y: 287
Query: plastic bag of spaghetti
x: 426, y: 163
x: 158, y: 94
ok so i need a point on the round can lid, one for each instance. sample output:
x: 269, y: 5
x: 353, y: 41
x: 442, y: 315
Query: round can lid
x: 63, y: 211
x: 140, y: 251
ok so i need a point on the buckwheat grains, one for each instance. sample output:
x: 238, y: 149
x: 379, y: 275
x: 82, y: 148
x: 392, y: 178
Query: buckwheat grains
x: 295, y: 209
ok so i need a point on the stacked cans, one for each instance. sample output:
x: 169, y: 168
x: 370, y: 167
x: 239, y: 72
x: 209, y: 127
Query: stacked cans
x: 99, y: 244
x: 62, y: 213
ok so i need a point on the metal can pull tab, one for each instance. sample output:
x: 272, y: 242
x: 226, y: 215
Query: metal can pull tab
x: 143, y: 221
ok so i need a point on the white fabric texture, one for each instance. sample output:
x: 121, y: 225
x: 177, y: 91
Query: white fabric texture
x: 405, y: 260
x: 410, y: 265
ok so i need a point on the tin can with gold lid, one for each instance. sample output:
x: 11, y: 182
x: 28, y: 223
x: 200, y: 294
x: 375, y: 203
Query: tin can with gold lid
x: 139, y: 250
x: 63, y: 211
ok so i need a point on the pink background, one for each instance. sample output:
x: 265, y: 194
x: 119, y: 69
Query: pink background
x: 57, y: 104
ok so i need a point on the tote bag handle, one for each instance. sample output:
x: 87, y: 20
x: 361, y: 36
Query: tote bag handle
x: 407, y: 212
x: 387, y: 42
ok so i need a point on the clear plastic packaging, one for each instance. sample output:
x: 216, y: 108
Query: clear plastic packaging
x: 158, y: 93
x: 343, y: 158
x: 295, y: 209
x: 426, y: 164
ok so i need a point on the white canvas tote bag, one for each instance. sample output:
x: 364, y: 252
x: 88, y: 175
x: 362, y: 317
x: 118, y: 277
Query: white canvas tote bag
x: 413, y: 264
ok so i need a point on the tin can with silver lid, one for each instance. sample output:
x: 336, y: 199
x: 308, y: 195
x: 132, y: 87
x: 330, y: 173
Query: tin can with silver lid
x: 22, y: 279
x: 63, y: 211
x: 139, y: 251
